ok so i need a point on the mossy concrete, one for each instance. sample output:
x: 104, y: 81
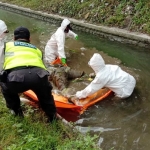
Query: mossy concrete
x: 111, y: 33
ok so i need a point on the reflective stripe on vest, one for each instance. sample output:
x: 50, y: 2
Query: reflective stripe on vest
x: 22, y: 54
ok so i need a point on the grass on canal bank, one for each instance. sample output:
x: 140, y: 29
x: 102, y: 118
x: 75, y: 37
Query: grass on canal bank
x: 33, y: 133
x: 131, y: 15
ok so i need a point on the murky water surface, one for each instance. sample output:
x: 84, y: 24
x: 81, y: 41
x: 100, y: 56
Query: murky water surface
x: 124, y: 124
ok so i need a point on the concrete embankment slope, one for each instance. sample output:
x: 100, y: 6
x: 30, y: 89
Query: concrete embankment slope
x: 111, y: 33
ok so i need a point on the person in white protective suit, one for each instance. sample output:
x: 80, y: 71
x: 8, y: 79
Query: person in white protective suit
x: 3, y: 31
x: 55, y: 46
x: 109, y: 76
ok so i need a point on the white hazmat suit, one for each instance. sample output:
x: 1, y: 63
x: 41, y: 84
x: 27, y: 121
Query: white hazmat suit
x: 3, y: 28
x: 110, y: 76
x: 55, y: 46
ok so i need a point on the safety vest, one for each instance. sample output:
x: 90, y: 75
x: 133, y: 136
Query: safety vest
x: 19, y: 54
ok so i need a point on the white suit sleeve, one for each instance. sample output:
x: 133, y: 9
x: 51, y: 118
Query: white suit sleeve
x: 71, y: 34
x: 93, y: 87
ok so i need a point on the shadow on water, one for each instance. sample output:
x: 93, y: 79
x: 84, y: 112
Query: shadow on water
x: 123, y: 124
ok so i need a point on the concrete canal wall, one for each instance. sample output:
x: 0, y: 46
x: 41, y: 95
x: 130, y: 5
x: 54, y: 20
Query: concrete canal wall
x: 114, y: 34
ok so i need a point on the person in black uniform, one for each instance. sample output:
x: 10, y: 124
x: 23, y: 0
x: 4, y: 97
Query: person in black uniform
x: 24, y: 69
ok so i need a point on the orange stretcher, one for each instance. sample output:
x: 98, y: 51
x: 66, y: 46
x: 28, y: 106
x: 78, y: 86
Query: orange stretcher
x: 58, y: 61
x: 71, y: 111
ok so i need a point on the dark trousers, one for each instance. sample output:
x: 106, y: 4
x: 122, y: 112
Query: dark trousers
x: 33, y: 78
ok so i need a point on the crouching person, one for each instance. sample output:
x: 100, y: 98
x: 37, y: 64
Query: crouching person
x: 25, y: 70
x: 108, y: 76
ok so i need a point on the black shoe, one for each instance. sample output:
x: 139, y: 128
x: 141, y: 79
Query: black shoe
x: 17, y: 112
x: 53, y: 119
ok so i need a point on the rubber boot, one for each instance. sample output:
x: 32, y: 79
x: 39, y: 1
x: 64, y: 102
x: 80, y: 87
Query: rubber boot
x: 52, y: 119
x: 17, y: 112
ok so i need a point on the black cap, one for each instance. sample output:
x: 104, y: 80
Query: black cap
x: 22, y: 33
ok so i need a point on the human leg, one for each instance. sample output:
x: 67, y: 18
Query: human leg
x: 45, y: 97
x: 12, y: 101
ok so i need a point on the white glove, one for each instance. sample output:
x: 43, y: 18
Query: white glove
x: 79, y: 94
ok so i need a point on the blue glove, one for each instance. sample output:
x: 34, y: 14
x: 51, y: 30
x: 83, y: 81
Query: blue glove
x: 76, y: 37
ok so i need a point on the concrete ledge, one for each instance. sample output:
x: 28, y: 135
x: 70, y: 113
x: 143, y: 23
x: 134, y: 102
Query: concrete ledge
x: 111, y: 33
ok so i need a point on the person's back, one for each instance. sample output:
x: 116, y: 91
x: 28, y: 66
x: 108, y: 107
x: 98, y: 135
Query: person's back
x: 119, y: 81
x: 53, y: 40
x: 29, y: 56
x: 51, y: 48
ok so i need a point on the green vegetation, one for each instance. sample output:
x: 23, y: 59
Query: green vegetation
x: 131, y: 15
x: 33, y: 133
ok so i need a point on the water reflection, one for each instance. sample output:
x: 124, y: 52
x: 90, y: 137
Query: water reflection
x: 127, y: 121
x: 95, y: 129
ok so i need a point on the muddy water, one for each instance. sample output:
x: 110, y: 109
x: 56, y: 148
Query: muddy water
x: 122, y: 124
